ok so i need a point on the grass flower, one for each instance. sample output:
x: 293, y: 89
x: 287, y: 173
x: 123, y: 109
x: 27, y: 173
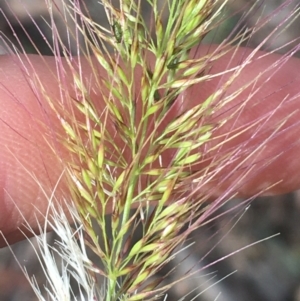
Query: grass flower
x: 137, y: 137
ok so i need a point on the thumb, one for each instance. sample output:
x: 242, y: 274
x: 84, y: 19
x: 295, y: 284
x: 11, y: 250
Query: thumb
x: 30, y: 172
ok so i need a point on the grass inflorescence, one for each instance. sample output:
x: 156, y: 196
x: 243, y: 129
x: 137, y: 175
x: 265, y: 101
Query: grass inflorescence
x: 137, y: 141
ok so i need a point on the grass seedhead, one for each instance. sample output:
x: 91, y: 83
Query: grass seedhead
x: 137, y: 140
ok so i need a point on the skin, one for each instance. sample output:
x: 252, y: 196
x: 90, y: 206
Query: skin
x: 26, y: 118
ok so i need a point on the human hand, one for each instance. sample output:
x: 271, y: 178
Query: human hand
x: 29, y: 169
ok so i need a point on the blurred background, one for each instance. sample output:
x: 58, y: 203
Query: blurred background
x: 268, y: 271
